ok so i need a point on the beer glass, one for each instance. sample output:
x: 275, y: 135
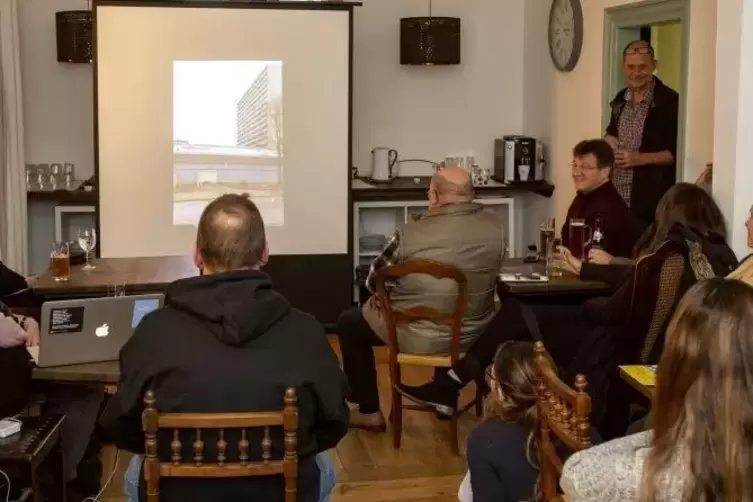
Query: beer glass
x: 60, y: 261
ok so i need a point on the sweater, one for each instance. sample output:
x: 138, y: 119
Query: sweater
x: 613, y: 472
x: 617, y: 224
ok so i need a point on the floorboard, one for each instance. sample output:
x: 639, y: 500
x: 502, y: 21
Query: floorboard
x: 369, y: 468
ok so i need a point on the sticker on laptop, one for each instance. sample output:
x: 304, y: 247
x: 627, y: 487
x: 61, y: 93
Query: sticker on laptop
x: 66, y: 320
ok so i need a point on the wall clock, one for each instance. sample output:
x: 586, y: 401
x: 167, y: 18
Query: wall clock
x: 565, y: 33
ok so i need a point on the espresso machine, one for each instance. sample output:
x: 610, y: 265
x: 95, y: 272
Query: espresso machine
x: 519, y: 159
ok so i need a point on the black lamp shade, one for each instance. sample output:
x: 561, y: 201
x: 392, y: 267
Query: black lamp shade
x: 74, y: 36
x: 430, y: 40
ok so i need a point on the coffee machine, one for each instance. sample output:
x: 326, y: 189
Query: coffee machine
x: 519, y: 159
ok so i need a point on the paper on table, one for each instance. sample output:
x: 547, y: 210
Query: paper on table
x: 34, y: 353
x: 644, y: 375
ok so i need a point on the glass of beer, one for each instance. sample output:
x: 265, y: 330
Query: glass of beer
x: 546, y: 232
x: 60, y: 261
x: 579, y: 237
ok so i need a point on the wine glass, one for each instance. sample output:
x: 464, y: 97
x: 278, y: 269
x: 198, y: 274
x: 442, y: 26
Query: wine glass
x: 87, y: 239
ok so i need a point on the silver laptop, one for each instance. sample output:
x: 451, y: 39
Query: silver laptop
x: 90, y: 330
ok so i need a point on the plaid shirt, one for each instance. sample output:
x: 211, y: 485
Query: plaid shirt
x: 630, y: 136
x: 388, y: 257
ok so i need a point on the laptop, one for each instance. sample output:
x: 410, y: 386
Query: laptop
x: 90, y: 330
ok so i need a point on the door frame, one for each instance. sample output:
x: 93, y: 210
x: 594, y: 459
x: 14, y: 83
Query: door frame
x: 643, y: 13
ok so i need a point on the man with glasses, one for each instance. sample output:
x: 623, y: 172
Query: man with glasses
x: 643, y: 134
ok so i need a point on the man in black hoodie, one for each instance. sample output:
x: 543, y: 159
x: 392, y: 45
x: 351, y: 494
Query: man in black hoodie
x: 227, y: 342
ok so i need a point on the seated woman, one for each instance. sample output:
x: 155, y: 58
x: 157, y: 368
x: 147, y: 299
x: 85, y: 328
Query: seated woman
x: 745, y: 271
x: 582, y: 339
x: 701, y: 447
x: 503, y: 451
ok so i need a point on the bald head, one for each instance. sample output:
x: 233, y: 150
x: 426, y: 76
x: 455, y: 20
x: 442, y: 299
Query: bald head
x: 452, y: 185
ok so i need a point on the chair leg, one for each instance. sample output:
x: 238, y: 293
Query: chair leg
x: 397, y: 412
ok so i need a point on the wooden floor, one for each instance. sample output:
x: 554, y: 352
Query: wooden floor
x: 369, y: 469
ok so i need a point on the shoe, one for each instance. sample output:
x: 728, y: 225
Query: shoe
x: 443, y: 398
x: 367, y: 421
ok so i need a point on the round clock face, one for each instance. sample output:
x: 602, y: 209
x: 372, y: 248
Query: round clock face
x: 565, y: 33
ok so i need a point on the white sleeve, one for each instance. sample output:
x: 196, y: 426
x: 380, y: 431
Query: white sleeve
x: 465, y: 493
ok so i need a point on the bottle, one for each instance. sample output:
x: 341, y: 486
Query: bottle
x: 597, y: 240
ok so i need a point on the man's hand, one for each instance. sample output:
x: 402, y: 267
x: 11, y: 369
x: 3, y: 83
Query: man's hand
x: 31, y: 327
x: 599, y: 257
x: 567, y: 262
x: 11, y: 333
x: 628, y: 158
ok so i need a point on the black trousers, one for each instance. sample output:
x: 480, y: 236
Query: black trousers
x: 562, y: 327
x: 357, y: 342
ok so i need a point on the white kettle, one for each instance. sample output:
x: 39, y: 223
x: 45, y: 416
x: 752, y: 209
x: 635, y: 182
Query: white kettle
x: 383, y: 160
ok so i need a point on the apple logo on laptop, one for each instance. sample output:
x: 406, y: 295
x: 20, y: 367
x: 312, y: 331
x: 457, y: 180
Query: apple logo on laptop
x: 102, y: 331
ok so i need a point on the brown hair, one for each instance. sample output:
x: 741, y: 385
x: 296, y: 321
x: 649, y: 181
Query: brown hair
x: 600, y: 149
x: 514, y: 374
x: 703, y: 402
x: 686, y: 204
x: 231, y: 233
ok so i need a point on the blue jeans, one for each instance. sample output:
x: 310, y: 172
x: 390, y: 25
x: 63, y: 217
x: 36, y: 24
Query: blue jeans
x: 327, y: 477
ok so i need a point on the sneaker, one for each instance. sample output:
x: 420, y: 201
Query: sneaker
x: 443, y: 398
x: 367, y: 421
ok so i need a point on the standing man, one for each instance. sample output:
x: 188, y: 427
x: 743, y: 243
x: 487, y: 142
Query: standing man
x: 643, y: 134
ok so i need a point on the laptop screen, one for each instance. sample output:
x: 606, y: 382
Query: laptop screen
x: 141, y: 308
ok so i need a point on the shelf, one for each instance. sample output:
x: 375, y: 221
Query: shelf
x: 415, y: 189
x: 81, y: 197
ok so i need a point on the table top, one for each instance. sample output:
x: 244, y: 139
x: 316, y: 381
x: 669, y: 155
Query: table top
x: 646, y: 390
x: 567, y: 283
x: 37, y: 437
x: 138, y: 274
x: 104, y: 373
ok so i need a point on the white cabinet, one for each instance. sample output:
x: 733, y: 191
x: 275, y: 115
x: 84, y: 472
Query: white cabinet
x: 374, y: 222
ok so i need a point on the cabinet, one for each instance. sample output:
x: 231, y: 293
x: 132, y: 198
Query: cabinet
x: 374, y: 222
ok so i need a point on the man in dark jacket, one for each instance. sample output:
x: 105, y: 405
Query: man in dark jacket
x: 227, y: 342
x: 643, y: 132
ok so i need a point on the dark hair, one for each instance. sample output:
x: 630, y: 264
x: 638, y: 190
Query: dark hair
x: 644, y: 43
x: 703, y: 401
x: 231, y: 233
x: 686, y: 204
x: 600, y: 149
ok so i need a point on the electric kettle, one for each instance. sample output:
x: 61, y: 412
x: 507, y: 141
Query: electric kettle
x: 383, y: 161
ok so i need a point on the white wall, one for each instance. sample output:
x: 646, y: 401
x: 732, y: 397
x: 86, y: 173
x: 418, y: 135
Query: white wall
x: 733, y: 121
x: 430, y: 112
x: 58, y: 101
x: 578, y: 95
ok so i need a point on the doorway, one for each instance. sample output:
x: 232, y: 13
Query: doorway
x: 663, y: 23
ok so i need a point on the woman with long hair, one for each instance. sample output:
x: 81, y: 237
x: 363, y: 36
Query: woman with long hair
x: 503, y: 455
x: 701, y: 446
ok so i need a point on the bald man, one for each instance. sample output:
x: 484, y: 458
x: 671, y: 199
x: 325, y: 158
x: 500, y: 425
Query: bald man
x: 455, y: 231
x: 643, y: 134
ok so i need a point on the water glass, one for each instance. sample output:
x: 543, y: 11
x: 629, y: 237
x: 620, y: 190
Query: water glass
x: 552, y: 270
x: 87, y: 239
x: 60, y: 261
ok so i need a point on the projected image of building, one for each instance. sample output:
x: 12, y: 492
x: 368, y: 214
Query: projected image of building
x: 259, y: 112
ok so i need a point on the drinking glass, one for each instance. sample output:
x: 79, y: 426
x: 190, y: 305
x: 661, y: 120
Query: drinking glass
x: 87, y: 239
x: 116, y: 289
x: 551, y: 257
x: 579, y: 237
x: 60, y: 261
x: 546, y: 232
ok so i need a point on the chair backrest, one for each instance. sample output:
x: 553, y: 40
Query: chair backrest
x: 657, y: 288
x: 438, y: 271
x: 564, y: 415
x: 222, y: 467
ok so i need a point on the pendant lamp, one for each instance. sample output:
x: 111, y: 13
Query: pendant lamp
x: 74, y: 36
x: 431, y: 40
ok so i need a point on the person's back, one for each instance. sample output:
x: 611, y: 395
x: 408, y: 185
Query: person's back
x: 226, y: 342
x: 458, y: 233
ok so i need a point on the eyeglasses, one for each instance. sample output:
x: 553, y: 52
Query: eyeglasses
x: 583, y: 167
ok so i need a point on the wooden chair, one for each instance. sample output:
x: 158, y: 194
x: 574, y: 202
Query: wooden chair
x: 563, y: 412
x: 657, y: 289
x: 154, y: 468
x: 397, y: 359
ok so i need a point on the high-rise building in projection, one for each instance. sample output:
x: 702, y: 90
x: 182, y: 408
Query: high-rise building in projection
x: 259, y: 111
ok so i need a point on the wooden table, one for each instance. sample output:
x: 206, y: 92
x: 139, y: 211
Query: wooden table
x: 566, y: 285
x: 105, y: 374
x: 139, y: 275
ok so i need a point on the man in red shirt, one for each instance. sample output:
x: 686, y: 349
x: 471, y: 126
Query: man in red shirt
x: 598, y: 198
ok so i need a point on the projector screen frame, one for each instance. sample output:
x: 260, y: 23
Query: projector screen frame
x: 331, y: 268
